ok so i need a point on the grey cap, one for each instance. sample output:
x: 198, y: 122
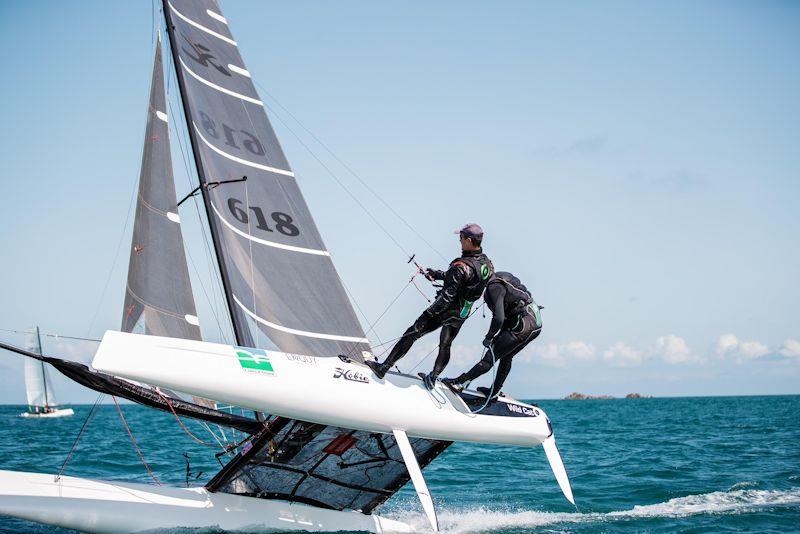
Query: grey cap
x: 470, y: 230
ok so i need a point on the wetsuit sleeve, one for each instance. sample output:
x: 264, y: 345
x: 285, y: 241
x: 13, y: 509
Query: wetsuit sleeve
x: 495, y: 300
x: 435, y: 274
x: 453, y: 279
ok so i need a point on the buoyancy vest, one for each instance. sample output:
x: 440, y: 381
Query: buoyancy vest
x: 517, y: 295
x: 480, y: 272
x: 518, y: 298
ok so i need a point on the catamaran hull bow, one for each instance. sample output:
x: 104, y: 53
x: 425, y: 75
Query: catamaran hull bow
x: 96, y: 506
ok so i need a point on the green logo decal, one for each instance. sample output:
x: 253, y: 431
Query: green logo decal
x: 254, y: 360
x: 484, y: 271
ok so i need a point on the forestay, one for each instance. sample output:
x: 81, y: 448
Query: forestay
x: 278, y: 274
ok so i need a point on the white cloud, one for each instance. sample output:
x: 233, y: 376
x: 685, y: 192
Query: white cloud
x: 548, y: 355
x: 559, y: 355
x: 621, y: 355
x: 579, y: 351
x: 673, y: 349
x: 730, y: 346
x: 790, y: 348
x: 725, y: 344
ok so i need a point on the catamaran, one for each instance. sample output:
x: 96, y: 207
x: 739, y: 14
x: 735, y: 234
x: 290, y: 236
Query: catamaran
x: 338, y: 442
x: 42, y: 403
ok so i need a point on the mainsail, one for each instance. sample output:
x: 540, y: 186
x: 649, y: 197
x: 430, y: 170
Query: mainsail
x: 278, y: 275
x: 38, y: 389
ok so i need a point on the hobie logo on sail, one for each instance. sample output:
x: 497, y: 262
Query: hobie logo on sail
x: 254, y: 360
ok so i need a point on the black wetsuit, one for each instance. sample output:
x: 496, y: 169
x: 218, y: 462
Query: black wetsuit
x: 464, y: 282
x: 515, y: 323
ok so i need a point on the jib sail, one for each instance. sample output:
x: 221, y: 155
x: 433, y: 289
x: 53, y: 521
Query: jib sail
x: 158, y: 295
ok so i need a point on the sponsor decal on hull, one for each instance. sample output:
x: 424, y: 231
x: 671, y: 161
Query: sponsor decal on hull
x: 254, y: 360
x: 350, y: 374
x: 523, y: 410
x: 302, y: 359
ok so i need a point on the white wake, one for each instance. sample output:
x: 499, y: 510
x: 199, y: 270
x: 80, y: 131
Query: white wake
x: 455, y: 521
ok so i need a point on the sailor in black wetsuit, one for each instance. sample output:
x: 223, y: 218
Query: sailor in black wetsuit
x: 464, y: 282
x: 516, y: 321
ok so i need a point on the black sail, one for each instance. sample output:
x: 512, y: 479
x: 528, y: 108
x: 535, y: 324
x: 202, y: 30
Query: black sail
x: 279, y: 277
x: 158, y: 295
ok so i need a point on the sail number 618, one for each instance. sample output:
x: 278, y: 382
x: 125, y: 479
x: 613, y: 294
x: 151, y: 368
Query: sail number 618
x: 283, y: 221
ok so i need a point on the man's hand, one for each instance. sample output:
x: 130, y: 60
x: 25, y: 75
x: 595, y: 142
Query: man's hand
x: 433, y: 274
x: 487, y: 342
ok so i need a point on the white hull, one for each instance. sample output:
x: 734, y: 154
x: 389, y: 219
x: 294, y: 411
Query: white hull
x: 321, y: 390
x: 62, y: 412
x: 96, y: 506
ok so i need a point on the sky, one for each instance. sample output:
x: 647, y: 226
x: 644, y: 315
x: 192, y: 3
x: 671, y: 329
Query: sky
x: 634, y: 163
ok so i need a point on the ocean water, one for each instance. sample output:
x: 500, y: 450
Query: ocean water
x: 711, y: 464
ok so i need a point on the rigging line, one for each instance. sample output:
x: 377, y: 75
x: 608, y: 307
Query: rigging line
x: 395, y: 299
x: 56, y: 336
x: 133, y: 442
x: 203, y: 287
x: 180, y: 422
x: 347, y: 290
x: 188, y: 252
x: 17, y: 331
x: 364, y: 315
x: 78, y: 437
x: 213, y: 435
x: 125, y: 226
x: 252, y: 267
x: 350, y: 170
x: 59, y: 336
x: 152, y: 22
x: 473, y: 312
x: 116, y: 254
x: 212, y: 271
x: 341, y: 184
x: 423, y: 359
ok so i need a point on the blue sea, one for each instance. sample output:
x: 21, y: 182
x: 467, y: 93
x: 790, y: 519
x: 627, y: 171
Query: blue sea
x: 706, y: 464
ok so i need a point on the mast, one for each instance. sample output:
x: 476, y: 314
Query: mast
x: 215, y: 239
x: 44, y: 375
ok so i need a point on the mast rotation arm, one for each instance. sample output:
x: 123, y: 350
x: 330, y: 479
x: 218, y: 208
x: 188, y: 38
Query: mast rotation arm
x: 210, y: 185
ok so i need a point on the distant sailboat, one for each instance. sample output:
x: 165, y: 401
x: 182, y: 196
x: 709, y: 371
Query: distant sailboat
x: 38, y: 386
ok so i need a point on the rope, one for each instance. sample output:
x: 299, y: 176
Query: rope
x: 341, y: 184
x: 494, y: 376
x: 418, y: 289
x: 473, y: 312
x: 350, y: 170
x: 180, y: 422
x: 135, y: 445
x: 210, y: 264
x: 78, y: 437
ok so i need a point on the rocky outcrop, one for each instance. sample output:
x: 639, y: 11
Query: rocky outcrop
x: 584, y: 396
